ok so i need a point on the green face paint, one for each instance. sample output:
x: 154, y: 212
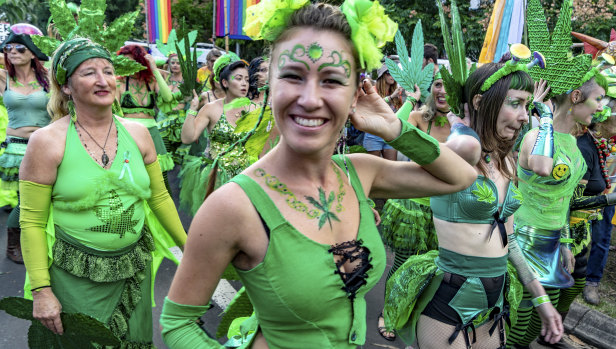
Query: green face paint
x: 314, y: 52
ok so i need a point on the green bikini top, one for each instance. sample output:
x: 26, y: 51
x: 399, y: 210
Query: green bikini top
x: 130, y: 106
x: 476, y: 204
x: 299, y: 295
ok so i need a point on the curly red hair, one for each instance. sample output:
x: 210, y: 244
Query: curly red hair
x: 138, y: 53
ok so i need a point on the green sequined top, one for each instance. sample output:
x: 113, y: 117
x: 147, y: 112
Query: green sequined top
x: 221, y: 137
x: 101, y: 208
x: 546, y: 199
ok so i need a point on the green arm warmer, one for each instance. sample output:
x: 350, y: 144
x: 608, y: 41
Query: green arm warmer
x: 416, y: 144
x: 163, y: 88
x: 405, y: 110
x: 519, y: 262
x: 35, y: 201
x: 580, y: 202
x: 180, y: 329
x: 162, y: 205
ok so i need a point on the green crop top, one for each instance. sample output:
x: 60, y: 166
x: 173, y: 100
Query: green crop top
x: 26, y: 110
x: 130, y: 106
x: 299, y: 297
x: 102, y: 209
x: 477, y: 203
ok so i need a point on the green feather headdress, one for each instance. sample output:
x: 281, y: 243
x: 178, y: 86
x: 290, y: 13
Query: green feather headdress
x: 562, y: 72
x: 410, y: 73
x: 91, y: 25
x: 456, y: 52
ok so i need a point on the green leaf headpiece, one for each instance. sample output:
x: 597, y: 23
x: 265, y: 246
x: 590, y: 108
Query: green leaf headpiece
x: 91, y: 25
x: 371, y: 28
x: 410, y: 73
x: 518, y: 52
x: 562, y: 73
x: 456, y: 52
x: 222, y: 62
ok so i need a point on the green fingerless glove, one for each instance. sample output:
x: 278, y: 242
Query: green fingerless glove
x: 416, y: 144
x: 179, y: 329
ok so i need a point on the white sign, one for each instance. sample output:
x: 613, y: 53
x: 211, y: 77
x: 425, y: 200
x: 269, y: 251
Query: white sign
x: 4, y: 30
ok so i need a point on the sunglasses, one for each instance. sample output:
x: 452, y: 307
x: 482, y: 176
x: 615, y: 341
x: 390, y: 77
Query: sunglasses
x: 19, y: 47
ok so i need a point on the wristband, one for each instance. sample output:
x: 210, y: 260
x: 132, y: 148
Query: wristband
x: 191, y: 112
x: 540, y: 300
x: 386, y: 99
x: 36, y: 289
x: 459, y: 129
x: 416, y: 145
x: 411, y: 99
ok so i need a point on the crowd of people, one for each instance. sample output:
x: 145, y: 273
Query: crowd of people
x: 491, y: 226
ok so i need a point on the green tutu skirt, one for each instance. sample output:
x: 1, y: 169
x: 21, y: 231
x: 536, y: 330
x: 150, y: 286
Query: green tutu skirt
x: 10, y: 161
x: 408, y: 226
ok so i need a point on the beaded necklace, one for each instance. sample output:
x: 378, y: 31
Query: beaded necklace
x: 322, y: 204
x: 603, y: 151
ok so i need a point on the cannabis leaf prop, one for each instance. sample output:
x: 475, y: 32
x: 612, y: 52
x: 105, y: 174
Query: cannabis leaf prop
x: 91, y: 25
x: 562, y: 72
x: 410, y: 72
x: 456, y: 52
x: 80, y: 330
x: 188, y: 64
x: 324, y: 205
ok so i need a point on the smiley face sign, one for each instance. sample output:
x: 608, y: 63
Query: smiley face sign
x: 560, y: 170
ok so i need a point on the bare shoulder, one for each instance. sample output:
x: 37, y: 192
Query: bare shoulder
x: 50, y: 139
x: 416, y: 118
x: 45, y: 152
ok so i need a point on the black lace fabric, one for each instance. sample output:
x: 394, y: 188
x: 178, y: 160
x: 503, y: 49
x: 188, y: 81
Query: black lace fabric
x: 352, y: 255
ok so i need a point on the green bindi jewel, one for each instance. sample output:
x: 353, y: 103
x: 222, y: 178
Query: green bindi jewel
x: 315, y: 52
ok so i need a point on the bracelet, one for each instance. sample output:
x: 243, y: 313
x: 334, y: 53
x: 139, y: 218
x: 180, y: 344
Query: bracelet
x: 540, y: 300
x: 36, y: 289
x: 412, y: 99
x: 191, y: 112
x: 566, y: 240
x: 386, y: 99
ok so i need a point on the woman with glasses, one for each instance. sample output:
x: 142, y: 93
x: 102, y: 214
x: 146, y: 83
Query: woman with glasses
x: 24, y: 87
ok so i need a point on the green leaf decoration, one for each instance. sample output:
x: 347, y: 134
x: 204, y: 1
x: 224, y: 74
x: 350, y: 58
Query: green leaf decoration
x: 92, y: 17
x: 188, y: 64
x: 562, y: 71
x: 237, y: 103
x: 484, y: 193
x: 324, y: 205
x: 456, y: 52
x: 518, y: 195
x: 46, y: 44
x: 125, y: 66
x: 80, y: 330
x: 62, y: 17
x: 256, y: 142
x: 410, y: 72
x: 117, y: 33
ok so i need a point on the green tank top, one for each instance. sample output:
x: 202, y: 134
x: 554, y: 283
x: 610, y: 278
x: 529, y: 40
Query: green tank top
x: 546, y: 199
x: 101, y: 209
x: 299, y: 298
x: 26, y: 110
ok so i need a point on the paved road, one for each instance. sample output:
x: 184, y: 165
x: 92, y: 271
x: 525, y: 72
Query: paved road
x: 13, y: 331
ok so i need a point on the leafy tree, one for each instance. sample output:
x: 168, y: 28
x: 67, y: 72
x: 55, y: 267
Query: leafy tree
x: 35, y: 12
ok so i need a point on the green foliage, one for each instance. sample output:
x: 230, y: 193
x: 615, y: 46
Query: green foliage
x: 80, y: 330
x: 196, y: 14
x: 35, y: 12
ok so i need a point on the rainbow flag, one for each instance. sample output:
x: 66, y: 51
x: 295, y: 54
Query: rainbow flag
x: 159, y: 20
x: 236, y: 14
x: 505, y: 28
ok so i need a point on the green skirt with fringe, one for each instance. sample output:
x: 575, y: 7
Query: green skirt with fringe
x: 407, y: 226
x: 111, y: 286
x: 10, y: 161
x: 409, y: 290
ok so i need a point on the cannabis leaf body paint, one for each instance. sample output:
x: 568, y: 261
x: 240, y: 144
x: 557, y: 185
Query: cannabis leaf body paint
x: 314, y: 52
x: 323, y: 205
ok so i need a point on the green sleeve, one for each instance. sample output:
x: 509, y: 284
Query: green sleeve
x: 179, y: 329
x: 405, y: 110
x: 163, y: 88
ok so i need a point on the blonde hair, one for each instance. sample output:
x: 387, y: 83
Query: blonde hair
x: 58, y: 100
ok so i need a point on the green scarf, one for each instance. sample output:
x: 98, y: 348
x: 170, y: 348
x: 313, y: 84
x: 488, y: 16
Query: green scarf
x: 74, y: 52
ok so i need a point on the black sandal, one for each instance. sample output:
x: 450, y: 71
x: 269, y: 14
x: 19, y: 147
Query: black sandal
x: 383, y: 330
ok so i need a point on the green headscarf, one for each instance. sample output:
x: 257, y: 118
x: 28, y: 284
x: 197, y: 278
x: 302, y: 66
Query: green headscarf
x: 74, y: 52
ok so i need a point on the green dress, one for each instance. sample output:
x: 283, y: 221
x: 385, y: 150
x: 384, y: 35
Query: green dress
x: 102, y: 252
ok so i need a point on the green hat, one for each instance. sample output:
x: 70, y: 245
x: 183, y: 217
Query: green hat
x: 74, y: 52
x: 25, y: 40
